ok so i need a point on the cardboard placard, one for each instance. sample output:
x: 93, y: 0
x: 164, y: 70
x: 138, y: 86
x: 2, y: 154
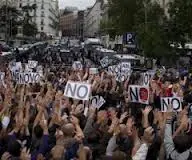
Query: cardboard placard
x: 77, y: 65
x: 97, y: 101
x: 146, y: 79
x: 104, y: 62
x: 125, y: 67
x: 18, y: 66
x: 26, y: 77
x: 93, y: 71
x: 121, y: 75
x: 32, y: 64
x: 77, y: 90
x: 139, y: 94
x: 173, y: 102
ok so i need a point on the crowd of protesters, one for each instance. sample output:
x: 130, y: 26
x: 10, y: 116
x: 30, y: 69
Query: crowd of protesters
x: 38, y: 122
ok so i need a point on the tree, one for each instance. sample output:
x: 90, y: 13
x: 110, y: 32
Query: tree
x: 29, y: 27
x: 145, y: 18
x: 11, y: 21
x: 150, y: 29
x: 180, y: 20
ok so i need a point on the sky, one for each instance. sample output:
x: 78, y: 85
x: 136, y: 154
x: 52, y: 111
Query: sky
x: 81, y: 4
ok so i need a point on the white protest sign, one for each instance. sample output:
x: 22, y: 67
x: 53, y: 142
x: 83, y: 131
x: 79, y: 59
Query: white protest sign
x: 40, y: 70
x: 12, y: 64
x: 120, y: 76
x: 93, y: 71
x: 146, y: 79
x: 27, y: 69
x: 77, y: 90
x: 114, y: 70
x: 26, y: 77
x: 125, y: 67
x: 77, y: 65
x: 139, y: 94
x: 2, y: 76
x: 97, y: 101
x: 104, y: 62
x: 18, y: 66
x: 32, y: 64
x: 173, y: 102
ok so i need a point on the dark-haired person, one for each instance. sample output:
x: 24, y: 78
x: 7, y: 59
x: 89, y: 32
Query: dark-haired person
x: 179, y: 148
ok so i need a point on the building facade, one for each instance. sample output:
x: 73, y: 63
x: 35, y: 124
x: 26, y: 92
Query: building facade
x: 10, y: 3
x: 92, y: 20
x: 80, y: 24
x: 45, y: 15
x: 68, y: 23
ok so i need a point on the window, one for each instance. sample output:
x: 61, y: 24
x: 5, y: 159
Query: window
x: 42, y: 28
x: 42, y: 22
x: 42, y: 14
x: 20, y: 5
x: 42, y: 6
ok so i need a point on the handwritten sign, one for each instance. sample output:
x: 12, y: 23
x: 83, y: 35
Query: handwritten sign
x: 139, y: 94
x: 77, y: 90
x: 173, y: 102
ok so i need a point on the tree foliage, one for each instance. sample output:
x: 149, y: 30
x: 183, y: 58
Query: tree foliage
x: 143, y: 17
x: 180, y: 21
x: 10, y: 21
x: 29, y: 27
x: 12, y: 18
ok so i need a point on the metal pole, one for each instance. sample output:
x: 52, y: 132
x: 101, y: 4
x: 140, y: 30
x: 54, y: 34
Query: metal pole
x: 145, y: 5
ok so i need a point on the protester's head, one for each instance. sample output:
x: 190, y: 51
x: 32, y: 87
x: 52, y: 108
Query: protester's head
x: 14, y: 148
x: 68, y: 130
x: 182, y: 143
x: 38, y: 131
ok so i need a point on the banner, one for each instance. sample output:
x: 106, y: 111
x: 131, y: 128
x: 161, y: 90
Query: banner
x: 26, y: 77
x: 32, y: 64
x: 173, y: 102
x: 77, y: 65
x: 77, y: 90
x: 139, y: 94
x: 97, y: 101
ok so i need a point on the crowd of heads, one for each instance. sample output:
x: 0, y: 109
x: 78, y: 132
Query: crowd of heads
x: 39, y: 122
